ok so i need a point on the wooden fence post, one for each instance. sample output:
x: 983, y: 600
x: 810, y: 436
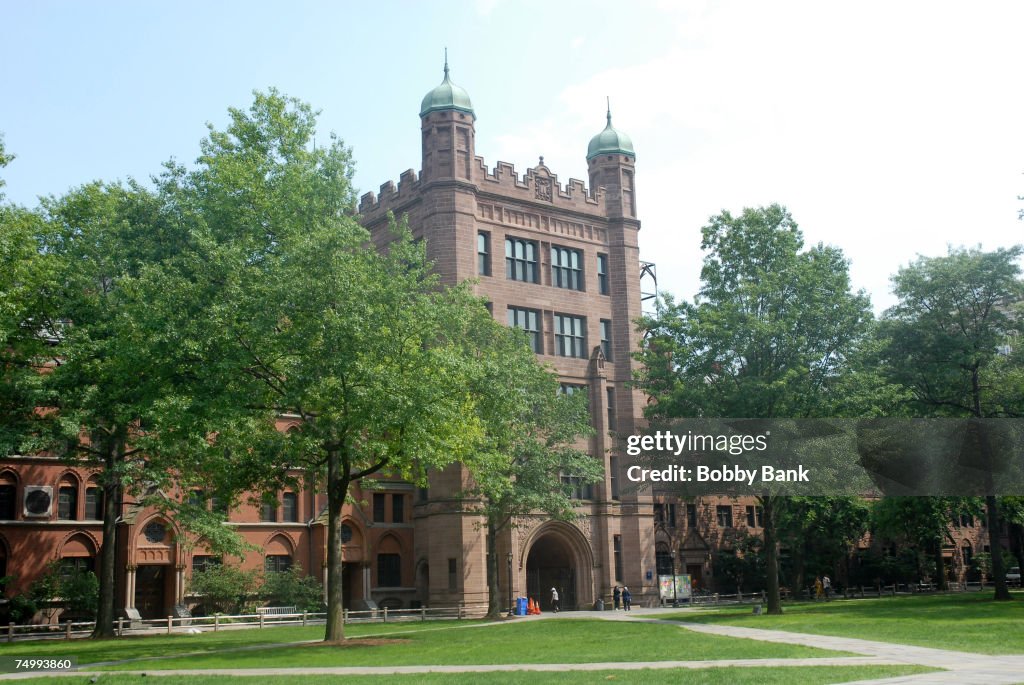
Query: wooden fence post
x: 67, y: 633
x: 170, y: 622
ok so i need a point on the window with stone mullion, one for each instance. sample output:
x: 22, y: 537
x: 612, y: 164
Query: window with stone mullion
x: 566, y: 270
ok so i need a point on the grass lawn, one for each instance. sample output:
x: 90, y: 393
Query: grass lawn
x: 965, y: 622
x: 806, y: 675
x: 561, y: 641
x: 146, y: 646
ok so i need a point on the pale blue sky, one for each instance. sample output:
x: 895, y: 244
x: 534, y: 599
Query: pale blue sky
x: 888, y: 129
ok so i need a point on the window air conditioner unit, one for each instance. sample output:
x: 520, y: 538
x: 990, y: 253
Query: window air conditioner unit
x: 38, y: 501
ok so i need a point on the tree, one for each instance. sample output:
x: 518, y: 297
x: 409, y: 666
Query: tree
x: 768, y: 336
x: 923, y: 524
x: 528, y: 461
x: 944, y: 340
x: 285, y: 310
x: 820, y: 531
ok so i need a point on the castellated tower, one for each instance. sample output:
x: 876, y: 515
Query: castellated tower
x: 561, y: 262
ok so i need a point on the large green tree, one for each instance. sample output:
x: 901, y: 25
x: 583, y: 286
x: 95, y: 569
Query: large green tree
x: 769, y: 335
x: 529, y: 461
x: 287, y: 312
x: 948, y: 341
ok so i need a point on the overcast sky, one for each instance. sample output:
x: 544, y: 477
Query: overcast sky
x: 889, y: 129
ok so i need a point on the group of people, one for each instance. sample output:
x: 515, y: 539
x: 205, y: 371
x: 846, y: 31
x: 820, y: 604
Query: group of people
x: 622, y: 594
x: 823, y: 587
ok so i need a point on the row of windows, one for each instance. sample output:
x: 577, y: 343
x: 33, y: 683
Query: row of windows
x: 380, y: 507
x: 665, y: 514
x: 570, y: 332
x: 67, y: 503
x: 289, y: 509
x: 522, y: 263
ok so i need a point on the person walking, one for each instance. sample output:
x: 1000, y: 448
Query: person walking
x: 554, y: 600
x: 627, y: 598
x: 616, y: 596
x: 826, y: 585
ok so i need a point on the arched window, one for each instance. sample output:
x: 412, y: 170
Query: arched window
x: 93, y: 501
x: 8, y: 496
x: 67, y: 499
x: 279, y: 555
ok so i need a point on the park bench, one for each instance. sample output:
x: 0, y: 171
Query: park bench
x: 275, y: 611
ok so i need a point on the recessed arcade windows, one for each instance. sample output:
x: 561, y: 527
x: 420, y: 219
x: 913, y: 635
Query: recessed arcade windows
x: 521, y: 260
x: 566, y: 268
x: 570, y: 336
x: 529, y: 321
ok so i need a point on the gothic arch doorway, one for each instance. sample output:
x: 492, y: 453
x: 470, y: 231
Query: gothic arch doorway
x: 559, y: 558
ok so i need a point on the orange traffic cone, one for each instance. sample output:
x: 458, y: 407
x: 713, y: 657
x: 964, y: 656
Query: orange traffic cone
x: 533, y: 609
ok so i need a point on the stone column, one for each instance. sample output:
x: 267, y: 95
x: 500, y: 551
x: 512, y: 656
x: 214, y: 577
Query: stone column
x: 129, y: 587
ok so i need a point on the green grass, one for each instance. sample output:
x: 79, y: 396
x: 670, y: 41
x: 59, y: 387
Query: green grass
x: 963, y: 622
x: 558, y: 641
x: 148, y: 646
x: 806, y: 675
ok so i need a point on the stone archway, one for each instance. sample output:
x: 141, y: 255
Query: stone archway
x: 559, y: 557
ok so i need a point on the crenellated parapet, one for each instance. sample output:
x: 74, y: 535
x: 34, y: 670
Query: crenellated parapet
x: 538, y: 184
x: 391, y: 197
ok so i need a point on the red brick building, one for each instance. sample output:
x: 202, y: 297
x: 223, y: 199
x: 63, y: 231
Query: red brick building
x: 559, y: 260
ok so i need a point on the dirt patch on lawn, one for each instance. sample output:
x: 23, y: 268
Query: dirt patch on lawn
x: 361, y: 642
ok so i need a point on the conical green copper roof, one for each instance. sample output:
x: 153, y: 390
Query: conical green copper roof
x: 447, y: 96
x: 610, y: 142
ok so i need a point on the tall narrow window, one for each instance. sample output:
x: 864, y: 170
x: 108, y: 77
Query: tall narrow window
x: 611, y: 408
x: 290, y: 507
x: 529, y: 321
x: 389, y: 570
x: 602, y: 274
x: 483, y: 253
x: 7, y: 501
x: 566, y: 268
x: 398, y: 508
x: 93, y: 504
x: 691, y: 515
x: 268, y: 512
x: 453, y: 575
x: 521, y: 260
x: 379, y: 502
x: 617, y: 546
x: 606, y: 338
x: 613, y: 476
x: 571, y: 389
x: 670, y: 514
x: 570, y: 336
x: 67, y: 503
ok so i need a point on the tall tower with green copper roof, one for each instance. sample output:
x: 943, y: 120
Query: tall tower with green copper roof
x: 611, y: 164
x: 447, y: 125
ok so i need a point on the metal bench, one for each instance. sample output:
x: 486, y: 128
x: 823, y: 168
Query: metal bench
x: 275, y: 611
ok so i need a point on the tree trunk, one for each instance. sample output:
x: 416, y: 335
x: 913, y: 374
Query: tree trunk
x: 337, y: 489
x: 114, y: 454
x: 771, y: 548
x: 940, y: 567
x: 799, y: 568
x: 493, y: 587
x: 998, y: 567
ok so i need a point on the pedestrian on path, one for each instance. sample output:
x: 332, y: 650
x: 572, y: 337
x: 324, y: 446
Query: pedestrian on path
x: 627, y: 598
x: 826, y: 584
x: 616, y: 596
x: 554, y: 600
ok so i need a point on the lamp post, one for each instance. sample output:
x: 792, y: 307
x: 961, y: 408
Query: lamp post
x: 511, y: 609
x: 675, y: 595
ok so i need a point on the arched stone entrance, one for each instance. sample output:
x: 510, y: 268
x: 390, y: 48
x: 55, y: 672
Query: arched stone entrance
x: 559, y: 557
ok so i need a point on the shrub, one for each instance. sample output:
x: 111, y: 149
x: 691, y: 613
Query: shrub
x: 225, y: 589
x: 293, y: 588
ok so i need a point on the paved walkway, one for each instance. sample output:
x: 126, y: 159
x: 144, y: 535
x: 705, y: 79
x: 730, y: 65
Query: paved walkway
x: 961, y: 667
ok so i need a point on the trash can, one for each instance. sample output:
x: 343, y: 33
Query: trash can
x: 521, y: 606
x: 599, y: 605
